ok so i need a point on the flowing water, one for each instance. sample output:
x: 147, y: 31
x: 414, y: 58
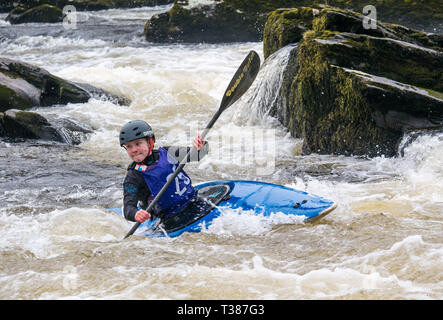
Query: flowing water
x: 384, y: 240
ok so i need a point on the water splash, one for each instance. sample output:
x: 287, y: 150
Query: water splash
x: 259, y: 104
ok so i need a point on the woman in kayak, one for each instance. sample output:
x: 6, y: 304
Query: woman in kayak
x: 149, y: 171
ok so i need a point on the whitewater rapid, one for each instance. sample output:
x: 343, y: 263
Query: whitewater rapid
x: 384, y: 240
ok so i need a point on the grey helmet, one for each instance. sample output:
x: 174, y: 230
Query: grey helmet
x: 135, y: 129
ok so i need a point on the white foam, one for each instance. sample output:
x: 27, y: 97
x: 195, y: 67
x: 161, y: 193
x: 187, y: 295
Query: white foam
x: 45, y: 235
x: 238, y: 222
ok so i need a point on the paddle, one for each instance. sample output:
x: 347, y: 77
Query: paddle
x: 241, y: 81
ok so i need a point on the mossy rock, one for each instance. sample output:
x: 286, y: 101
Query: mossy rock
x: 210, y: 24
x: 329, y: 112
x: 285, y: 26
x: 397, y: 60
x: 423, y: 15
x: 7, y: 5
x: 44, y: 13
x: 16, y: 125
x: 51, y: 89
x: 28, y: 125
x: 23, y: 85
x: 219, y: 21
x: 10, y: 99
x: 351, y: 91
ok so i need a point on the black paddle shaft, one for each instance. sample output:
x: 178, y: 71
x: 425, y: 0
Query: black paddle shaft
x: 241, y: 81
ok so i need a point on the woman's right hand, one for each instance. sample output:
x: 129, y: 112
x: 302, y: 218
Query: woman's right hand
x: 142, y: 215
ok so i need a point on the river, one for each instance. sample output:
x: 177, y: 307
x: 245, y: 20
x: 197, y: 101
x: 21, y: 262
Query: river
x: 58, y: 240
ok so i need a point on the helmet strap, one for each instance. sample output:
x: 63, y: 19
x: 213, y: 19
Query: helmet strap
x: 151, y: 145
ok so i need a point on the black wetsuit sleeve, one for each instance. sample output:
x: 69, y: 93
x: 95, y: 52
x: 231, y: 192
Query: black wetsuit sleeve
x: 135, y: 192
x: 179, y: 153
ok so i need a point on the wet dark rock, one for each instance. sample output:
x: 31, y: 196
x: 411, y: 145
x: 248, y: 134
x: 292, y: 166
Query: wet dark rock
x: 285, y: 26
x: 426, y: 15
x: 218, y: 21
x: 355, y: 91
x: 7, y: 5
x: 98, y: 93
x: 24, y: 85
x: 28, y: 125
x: 73, y: 131
x: 237, y: 20
x: 43, y: 13
x: 18, y: 124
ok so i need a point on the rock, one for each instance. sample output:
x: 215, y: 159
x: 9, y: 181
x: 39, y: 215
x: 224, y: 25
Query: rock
x: 23, y: 86
x: 419, y: 15
x: 16, y: 92
x: 43, y: 13
x: 215, y: 21
x: 17, y: 125
x: 28, y: 125
x: 208, y: 21
x: 7, y: 5
x: 98, y: 93
x: 73, y: 131
x: 285, y: 26
x: 355, y: 91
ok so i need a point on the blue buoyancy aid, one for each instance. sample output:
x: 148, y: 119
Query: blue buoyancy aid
x: 179, y: 192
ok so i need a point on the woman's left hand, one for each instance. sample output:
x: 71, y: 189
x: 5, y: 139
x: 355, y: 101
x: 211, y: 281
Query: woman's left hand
x: 198, y: 143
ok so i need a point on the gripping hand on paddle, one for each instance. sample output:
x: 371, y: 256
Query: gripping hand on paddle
x: 142, y: 215
x: 198, y: 143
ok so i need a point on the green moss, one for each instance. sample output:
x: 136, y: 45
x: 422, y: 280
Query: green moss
x: 212, y: 24
x: 32, y: 120
x: 29, y: 125
x: 336, y: 111
x: 43, y: 13
x: 383, y: 57
x: 330, y: 112
x: 285, y: 26
x: 10, y: 99
x: 436, y: 94
x: 421, y: 14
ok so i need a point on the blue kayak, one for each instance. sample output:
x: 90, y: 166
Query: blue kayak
x: 215, y: 196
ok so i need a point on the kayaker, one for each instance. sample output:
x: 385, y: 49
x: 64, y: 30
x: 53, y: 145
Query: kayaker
x: 148, y: 173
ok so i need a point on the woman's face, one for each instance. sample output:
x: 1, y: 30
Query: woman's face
x: 138, y: 149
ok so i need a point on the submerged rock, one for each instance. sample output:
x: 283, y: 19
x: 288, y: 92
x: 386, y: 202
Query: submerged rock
x: 28, y: 125
x: 355, y: 91
x: 43, y: 13
x: 18, y: 124
x: 23, y: 86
